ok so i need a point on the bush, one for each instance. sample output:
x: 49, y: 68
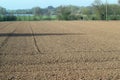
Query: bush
x: 114, y: 17
x: 1, y: 18
x: 8, y: 18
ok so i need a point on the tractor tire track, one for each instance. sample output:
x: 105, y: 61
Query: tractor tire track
x: 6, y: 40
x: 35, y: 41
x: 4, y: 26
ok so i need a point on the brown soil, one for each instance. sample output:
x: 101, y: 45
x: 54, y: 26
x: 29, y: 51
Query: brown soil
x: 60, y: 50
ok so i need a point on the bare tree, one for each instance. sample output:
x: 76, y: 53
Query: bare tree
x: 100, y: 9
x: 2, y: 11
x: 118, y: 1
x: 36, y: 11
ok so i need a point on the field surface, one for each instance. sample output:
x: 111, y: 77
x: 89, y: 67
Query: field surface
x: 60, y: 50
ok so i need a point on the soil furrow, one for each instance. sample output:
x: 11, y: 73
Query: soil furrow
x: 88, y: 69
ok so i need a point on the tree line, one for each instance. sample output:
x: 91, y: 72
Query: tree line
x: 97, y: 11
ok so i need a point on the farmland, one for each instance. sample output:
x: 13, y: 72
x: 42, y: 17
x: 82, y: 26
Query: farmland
x: 60, y: 50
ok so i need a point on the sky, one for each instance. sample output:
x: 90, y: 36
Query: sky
x: 27, y: 4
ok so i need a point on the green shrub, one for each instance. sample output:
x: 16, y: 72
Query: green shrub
x: 114, y: 17
x: 8, y: 18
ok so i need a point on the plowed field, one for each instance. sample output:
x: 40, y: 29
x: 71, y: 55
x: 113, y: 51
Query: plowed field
x: 60, y: 50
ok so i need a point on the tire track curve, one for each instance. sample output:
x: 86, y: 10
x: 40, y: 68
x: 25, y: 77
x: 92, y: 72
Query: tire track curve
x: 35, y: 41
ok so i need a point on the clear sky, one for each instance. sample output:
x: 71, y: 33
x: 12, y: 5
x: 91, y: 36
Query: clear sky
x: 27, y: 4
